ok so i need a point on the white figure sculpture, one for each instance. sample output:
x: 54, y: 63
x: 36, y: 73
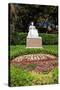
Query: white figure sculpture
x: 33, y: 40
x: 33, y: 32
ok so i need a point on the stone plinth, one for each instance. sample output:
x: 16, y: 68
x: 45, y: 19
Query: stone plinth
x: 34, y: 42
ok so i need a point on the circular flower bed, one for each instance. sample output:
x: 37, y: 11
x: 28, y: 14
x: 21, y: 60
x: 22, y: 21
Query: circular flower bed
x: 36, y: 62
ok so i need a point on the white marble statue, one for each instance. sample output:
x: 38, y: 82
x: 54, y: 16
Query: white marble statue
x: 33, y: 32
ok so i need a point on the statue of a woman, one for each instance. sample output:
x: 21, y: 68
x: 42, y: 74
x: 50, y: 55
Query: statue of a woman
x: 33, y: 32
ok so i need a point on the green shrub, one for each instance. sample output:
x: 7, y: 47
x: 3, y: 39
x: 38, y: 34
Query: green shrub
x: 20, y: 39
x: 49, y: 39
x: 46, y: 78
x: 55, y: 75
x: 19, y: 77
x: 22, y: 77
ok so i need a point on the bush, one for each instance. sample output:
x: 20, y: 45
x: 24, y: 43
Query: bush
x: 55, y: 74
x: 19, y: 77
x: 22, y: 77
x: 50, y: 39
x: 18, y: 38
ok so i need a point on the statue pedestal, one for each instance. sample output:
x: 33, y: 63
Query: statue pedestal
x: 34, y: 42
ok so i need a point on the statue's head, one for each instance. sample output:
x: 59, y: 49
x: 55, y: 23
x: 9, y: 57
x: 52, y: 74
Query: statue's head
x: 32, y: 27
x: 32, y: 23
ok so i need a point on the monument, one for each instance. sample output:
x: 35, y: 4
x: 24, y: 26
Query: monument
x: 33, y: 39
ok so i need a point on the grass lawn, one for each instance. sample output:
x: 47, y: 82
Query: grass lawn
x: 16, y: 50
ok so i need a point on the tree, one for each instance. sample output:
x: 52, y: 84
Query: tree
x: 22, y: 14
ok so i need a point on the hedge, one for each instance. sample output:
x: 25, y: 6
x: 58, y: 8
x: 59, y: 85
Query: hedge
x: 18, y: 50
x: 47, y: 39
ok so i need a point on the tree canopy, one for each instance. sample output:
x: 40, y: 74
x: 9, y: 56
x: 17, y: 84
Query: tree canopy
x: 22, y: 14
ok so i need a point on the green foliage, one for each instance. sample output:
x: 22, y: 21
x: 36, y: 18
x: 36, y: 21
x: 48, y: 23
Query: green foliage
x: 22, y: 38
x: 51, y: 49
x: 22, y: 14
x: 21, y: 77
x: 55, y: 74
x: 17, y: 50
x: 47, y: 78
x: 47, y: 39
